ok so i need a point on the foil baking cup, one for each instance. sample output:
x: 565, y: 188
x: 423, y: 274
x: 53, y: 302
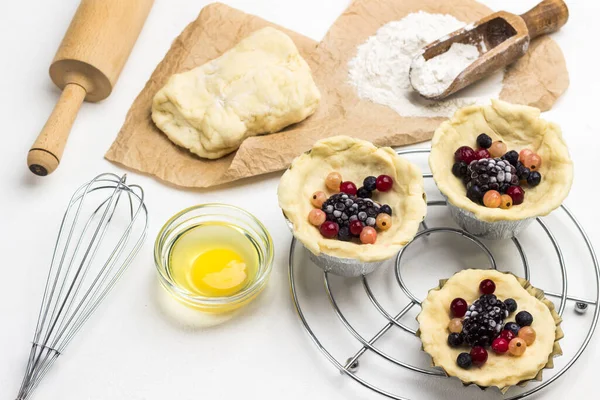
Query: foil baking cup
x: 556, y: 349
x: 487, y: 230
x: 348, y: 267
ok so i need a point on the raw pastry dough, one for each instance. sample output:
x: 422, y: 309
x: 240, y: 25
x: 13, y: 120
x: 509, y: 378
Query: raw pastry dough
x: 260, y: 86
x: 355, y: 159
x: 504, y: 370
x: 519, y: 127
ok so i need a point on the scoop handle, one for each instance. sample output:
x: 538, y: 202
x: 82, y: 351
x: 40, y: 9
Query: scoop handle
x: 546, y: 17
x: 46, y: 152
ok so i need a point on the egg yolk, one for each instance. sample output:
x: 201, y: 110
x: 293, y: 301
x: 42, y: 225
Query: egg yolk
x: 218, y: 272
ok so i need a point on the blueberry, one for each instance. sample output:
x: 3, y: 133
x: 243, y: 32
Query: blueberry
x: 524, y: 318
x: 370, y: 183
x: 344, y: 234
x: 464, y: 360
x: 534, y: 179
x: 475, y: 194
x: 385, y: 209
x: 511, y: 305
x: 512, y: 157
x: 513, y: 327
x: 484, y: 141
x: 364, y: 193
x: 523, y: 172
x: 455, y: 339
x: 459, y: 169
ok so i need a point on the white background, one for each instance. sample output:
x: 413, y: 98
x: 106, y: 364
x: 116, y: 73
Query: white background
x: 142, y: 346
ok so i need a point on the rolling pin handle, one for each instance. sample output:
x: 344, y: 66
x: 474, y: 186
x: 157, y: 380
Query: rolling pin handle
x: 46, y: 152
x: 547, y: 17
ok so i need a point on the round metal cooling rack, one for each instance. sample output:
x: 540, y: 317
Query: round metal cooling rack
x: 351, y: 366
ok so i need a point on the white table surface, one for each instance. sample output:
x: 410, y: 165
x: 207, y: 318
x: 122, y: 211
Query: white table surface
x: 141, y: 346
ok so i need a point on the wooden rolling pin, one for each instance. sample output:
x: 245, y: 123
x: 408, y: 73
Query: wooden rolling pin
x: 86, y: 67
x: 501, y: 38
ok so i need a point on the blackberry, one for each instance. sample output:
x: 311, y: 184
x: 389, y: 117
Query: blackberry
x: 370, y: 183
x: 484, y: 320
x: 455, y: 339
x: 339, y: 208
x: 511, y: 305
x: 459, y: 169
x: 524, y: 318
x: 484, y: 141
x: 512, y: 157
x: 504, y: 187
x: 490, y: 174
x: 364, y: 193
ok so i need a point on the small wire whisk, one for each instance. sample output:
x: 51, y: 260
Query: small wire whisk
x: 102, y: 230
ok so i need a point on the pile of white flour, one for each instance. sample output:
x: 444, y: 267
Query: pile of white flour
x: 380, y: 69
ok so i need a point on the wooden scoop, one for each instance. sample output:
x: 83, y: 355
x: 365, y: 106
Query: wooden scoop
x: 501, y: 39
x: 87, y: 66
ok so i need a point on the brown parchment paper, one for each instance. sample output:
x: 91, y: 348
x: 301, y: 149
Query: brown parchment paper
x: 538, y: 79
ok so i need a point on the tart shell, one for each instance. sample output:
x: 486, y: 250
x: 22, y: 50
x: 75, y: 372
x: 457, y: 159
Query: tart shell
x: 556, y: 349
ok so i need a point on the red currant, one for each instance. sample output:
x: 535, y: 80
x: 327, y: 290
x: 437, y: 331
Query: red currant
x: 356, y: 227
x: 384, y: 183
x: 348, y: 188
x: 465, y: 154
x: 517, y: 194
x: 487, y: 286
x: 500, y: 345
x: 458, y: 307
x: 482, y: 153
x: 508, y: 335
x: 329, y: 229
x: 479, y: 355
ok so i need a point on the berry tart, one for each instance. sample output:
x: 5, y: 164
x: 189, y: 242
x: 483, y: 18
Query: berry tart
x: 352, y: 204
x: 500, y: 166
x: 489, y: 328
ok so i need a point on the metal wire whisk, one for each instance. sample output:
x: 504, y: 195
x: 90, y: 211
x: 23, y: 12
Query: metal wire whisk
x: 101, y: 232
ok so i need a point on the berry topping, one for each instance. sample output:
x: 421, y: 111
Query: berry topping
x: 492, y: 199
x: 534, y: 179
x: 465, y: 154
x: 508, y: 335
x: 512, y: 157
x: 384, y: 183
x: 356, y: 227
x: 385, y: 209
x: 532, y: 161
x: 370, y: 183
x: 316, y: 217
x: 481, y: 153
x: 511, y: 305
x: 464, y: 360
x: 528, y: 334
x: 458, y: 307
x: 333, y: 181
x: 362, y: 192
x: 383, y: 221
x: 455, y: 339
x: 318, y: 198
x: 500, y: 345
x: 368, y: 235
x: 517, y: 194
x: 455, y: 325
x: 487, y: 286
x: 505, y: 202
x: 517, y: 347
x: 479, y: 355
x: 484, y: 141
x: 329, y: 229
x: 459, y: 169
x: 524, y: 318
x: 490, y: 174
x: 344, y: 234
x: 513, y: 327
x: 497, y: 149
x: 483, y: 321
x: 348, y: 188
x: 523, y: 154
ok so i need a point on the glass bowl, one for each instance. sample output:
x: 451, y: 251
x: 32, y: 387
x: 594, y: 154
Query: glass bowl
x: 202, y: 214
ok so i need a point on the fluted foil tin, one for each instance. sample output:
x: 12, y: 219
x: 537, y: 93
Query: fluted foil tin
x: 487, y: 230
x: 347, y: 267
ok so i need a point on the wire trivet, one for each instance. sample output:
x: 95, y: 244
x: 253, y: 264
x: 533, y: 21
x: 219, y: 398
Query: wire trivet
x: 351, y: 366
